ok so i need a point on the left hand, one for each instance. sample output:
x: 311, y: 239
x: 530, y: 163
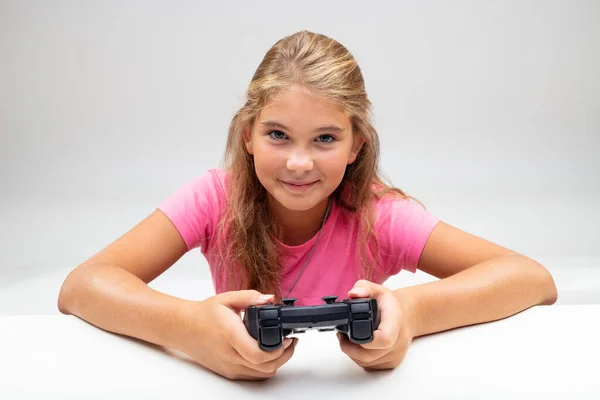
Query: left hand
x: 394, y: 334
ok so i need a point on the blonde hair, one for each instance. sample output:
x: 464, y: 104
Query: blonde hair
x: 324, y: 68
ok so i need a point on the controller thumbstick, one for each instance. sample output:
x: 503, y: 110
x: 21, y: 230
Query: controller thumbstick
x: 289, y: 301
x: 329, y: 299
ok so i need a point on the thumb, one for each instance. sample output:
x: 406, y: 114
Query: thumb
x: 364, y: 288
x: 242, y: 299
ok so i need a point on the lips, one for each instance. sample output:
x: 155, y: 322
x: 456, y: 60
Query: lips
x: 299, y: 183
x: 299, y: 186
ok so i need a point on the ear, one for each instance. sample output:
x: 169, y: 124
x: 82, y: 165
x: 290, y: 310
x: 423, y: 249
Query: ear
x: 247, y: 135
x: 357, y: 144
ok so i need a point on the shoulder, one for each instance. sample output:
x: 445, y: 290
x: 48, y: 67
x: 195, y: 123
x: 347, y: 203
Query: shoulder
x: 205, y: 192
x: 211, y: 183
x: 217, y: 177
x: 403, y: 226
x: 398, y: 207
x: 220, y: 174
x: 402, y: 220
x: 196, y: 206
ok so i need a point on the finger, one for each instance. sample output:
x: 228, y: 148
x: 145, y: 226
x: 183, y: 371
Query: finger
x: 389, y: 313
x: 362, y: 289
x: 385, y: 361
x: 386, y: 334
x: 248, y: 374
x: 389, y: 360
x: 273, y: 365
x: 242, y: 299
x: 380, y: 366
x: 249, y: 349
x: 357, y: 353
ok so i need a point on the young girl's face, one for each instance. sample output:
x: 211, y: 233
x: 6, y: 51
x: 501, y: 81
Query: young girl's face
x: 301, y: 147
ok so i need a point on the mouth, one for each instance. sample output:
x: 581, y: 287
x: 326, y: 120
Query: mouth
x: 299, y: 186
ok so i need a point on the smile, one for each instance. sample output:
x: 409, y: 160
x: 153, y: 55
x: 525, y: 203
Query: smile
x: 299, y: 187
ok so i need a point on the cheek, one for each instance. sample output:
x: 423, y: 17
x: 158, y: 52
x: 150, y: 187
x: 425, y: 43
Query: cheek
x: 267, y: 161
x: 335, y: 162
x: 268, y: 156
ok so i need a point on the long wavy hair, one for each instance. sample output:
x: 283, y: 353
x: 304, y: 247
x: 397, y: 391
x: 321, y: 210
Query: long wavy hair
x: 324, y: 68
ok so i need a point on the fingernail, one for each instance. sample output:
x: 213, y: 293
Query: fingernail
x: 359, y: 291
x: 265, y: 297
x: 287, y: 342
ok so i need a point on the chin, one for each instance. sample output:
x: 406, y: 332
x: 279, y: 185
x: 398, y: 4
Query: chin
x: 296, y: 204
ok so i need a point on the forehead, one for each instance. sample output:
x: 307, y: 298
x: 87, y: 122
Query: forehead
x: 300, y: 108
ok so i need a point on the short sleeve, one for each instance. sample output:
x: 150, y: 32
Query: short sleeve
x: 195, y: 208
x: 403, y: 227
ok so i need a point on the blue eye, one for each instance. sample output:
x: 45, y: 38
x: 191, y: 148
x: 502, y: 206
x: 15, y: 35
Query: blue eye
x: 326, y: 139
x: 277, y: 135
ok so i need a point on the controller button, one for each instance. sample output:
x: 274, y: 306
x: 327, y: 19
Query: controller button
x: 269, y: 314
x: 359, y: 308
x: 270, y: 335
x: 289, y: 301
x: 361, y: 329
x: 329, y: 299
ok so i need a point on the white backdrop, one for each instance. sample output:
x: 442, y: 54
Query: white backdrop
x: 488, y: 112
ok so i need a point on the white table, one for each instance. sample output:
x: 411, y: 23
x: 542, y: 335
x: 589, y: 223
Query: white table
x: 551, y: 351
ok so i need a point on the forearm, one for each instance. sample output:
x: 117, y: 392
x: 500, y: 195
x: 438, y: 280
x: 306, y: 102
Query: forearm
x: 489, y: 291
x: 115, y: 300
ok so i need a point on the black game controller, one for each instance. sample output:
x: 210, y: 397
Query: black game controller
x: 270, y: 323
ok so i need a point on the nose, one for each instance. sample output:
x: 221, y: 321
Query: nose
x: 299, y: 162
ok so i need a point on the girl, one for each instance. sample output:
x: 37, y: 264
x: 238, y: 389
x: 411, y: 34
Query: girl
x: 299, y: 211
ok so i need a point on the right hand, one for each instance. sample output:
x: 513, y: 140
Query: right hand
x: 220, y: 342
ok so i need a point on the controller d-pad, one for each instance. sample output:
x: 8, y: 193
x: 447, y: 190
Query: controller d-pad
x: 361, y: 329
x: 270, y: 335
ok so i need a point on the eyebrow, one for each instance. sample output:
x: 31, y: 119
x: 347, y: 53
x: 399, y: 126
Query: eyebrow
x: 278, y: 125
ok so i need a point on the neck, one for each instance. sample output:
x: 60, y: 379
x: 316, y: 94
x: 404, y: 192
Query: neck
x: 298, y: 227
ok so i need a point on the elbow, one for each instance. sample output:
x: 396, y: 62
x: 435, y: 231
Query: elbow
x: 63, y: 296
x: 67, y: 293
x: 548, y: 290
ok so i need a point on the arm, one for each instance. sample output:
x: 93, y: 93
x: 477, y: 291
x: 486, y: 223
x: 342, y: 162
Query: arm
x: 110, y: 289
x: 479, y: 282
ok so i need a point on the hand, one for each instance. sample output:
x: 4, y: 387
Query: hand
x: 394, y: 334
x: 219, y: 340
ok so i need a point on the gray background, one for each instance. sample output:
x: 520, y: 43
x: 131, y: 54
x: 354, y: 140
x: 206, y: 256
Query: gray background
x: 488, y: 112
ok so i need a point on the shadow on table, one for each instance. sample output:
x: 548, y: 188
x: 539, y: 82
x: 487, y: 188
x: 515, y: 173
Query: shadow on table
x: 346, y: 373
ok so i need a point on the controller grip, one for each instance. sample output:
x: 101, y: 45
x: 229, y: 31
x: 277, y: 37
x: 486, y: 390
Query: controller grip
x: 363, y: 320
x: 265, y: 329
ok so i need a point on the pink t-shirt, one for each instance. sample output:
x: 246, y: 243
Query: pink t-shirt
x: 402, y: 228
